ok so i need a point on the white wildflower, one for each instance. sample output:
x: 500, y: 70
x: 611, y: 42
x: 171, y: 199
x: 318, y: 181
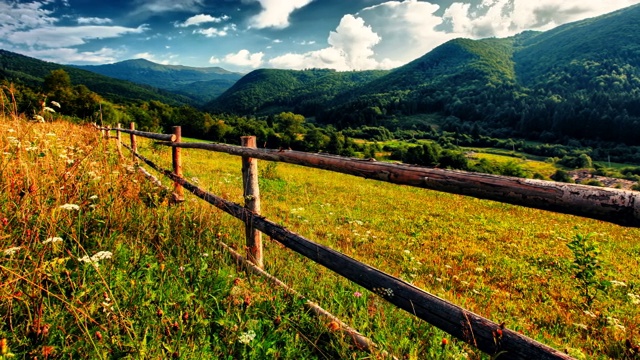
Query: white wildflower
x: 616, y: 283
x: 101, y: 255
x: 93, y: 197
x: 38, y: 118
x: 56, y: 104
x: 48, y: 109
x: 52, y: 240
x: 635, y: 299
x: 590, y: 314
x: 70, y: 207
x: 479, y: 270
x: 12, y: 250
x: 247, y: 337
x: 31, y: 148
x: 70, y: 161
x: 11, y: 130
x: 205, y: 255
x: 50, y: 134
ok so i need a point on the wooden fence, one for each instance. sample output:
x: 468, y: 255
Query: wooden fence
x: 613, y: 205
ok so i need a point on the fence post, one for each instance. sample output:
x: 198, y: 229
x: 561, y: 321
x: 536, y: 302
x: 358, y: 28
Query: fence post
x: 251, y: 202
x: 119, y: 140
x: 134, y: 144
x: 178, y: 191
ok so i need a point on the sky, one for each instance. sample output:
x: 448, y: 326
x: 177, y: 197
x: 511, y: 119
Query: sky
x: 243, y: 35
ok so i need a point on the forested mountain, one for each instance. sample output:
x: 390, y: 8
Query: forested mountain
x: 301, y: 91
x: 202, y: 84
x: 31, y: 72
x: 580, y: 80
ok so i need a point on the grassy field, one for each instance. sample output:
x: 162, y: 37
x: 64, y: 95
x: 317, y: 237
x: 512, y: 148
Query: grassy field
x: 508, y: 263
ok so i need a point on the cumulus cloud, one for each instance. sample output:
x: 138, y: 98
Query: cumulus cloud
x: 214, y: 32
x: 242, y: 59
x: 93, y: 21
x: 275, y: 13
x: 19, y: 16
x: 202, y: 19
x: 65, y: 36
x: 503, y: 18
x: 166, y: 59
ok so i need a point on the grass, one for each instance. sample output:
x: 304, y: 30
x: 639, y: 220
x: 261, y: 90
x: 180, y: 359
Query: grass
x: 508, y: 263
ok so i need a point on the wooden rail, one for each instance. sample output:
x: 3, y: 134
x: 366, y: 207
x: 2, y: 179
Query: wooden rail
x: 613, y: 205
x: 467, y: 326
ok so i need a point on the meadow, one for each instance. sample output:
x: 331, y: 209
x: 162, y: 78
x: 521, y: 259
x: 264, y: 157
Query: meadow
x: 165, y: 289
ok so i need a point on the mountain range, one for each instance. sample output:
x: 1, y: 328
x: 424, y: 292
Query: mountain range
x: 580, y: 80
x: 202, y: 84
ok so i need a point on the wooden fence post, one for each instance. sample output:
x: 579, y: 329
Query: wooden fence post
x: 119, y: 140
x: 134, y: 144
x: 252, y: 202
x: 178, y: 191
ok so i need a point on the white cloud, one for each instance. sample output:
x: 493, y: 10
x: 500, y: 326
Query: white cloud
x: 93, y: 21
x: 275, y: 13
x: 16, y: 16
x: 73, y: 56
x: 65, y: 36
x: 161, y: 6
x: 202, y: 19
x: 242, y: 59
x: 166, y: 59
x: 214, y: 32
x: 503, y: 18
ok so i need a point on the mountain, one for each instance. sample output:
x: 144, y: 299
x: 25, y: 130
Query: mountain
x: 202, y: 84
x: 579, y: 80
x: 301, y: 91
x: 31, y: 72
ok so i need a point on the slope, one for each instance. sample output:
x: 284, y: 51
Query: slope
x: 29, y: 71
x: 302, y: 91
x: 209, y: 81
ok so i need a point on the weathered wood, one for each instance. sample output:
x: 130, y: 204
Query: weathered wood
x: 176, y: 154
x: 251, y: 197
x: 134, y: 143
x: 145, y: 134
x: 617, y: 206
x: 467, y: 326
x: 360, y: 340
x: 119, y: 141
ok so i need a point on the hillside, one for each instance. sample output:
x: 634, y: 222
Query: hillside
x: 31, y: 72
x: 305, y: 92
x: 202, y: 84
x: 578, y: 81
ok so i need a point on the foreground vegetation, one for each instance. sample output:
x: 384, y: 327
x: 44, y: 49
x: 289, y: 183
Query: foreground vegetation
x: 164, y: 289
x: 94, y: 264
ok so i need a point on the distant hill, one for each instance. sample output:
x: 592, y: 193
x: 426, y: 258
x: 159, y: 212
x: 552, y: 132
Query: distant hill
x: 31, y: 72
x: 200, y: 83
x: 301, y: 91
x: 579, y: 80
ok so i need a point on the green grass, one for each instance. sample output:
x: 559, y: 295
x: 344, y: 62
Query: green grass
x: 508, y: 263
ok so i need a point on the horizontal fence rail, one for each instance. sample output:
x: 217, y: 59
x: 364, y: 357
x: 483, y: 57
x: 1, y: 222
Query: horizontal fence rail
x: 150, y: 135
x: 612, y: 205
x: 467, y: 326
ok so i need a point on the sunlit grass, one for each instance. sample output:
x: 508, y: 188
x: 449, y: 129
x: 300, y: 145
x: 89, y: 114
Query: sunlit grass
x: 508, y: 263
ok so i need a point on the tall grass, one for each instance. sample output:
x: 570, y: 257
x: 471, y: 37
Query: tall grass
x: 94, y: 264
x: 159, y: 295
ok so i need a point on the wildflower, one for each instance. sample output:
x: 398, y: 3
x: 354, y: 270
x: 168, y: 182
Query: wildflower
x: 56, y: 104
x: 101, y: 255
x: 50, y: 134
x: 616, y: 283
x: 70, y: 207
x: 12, y: 250
x: 635, y: 299
x: 93, y: 197
x: 52, y: 240
x: 205, y: 255
x: 333, y: 326
x: 357, y: 294
x: 444, y: 342
x: 38, y: 118
x: 48, y: 109
x: 247, y: 337
x: 11, y: 130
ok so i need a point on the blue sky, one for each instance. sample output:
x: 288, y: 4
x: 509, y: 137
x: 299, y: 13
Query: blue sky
x: 242, y: 35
